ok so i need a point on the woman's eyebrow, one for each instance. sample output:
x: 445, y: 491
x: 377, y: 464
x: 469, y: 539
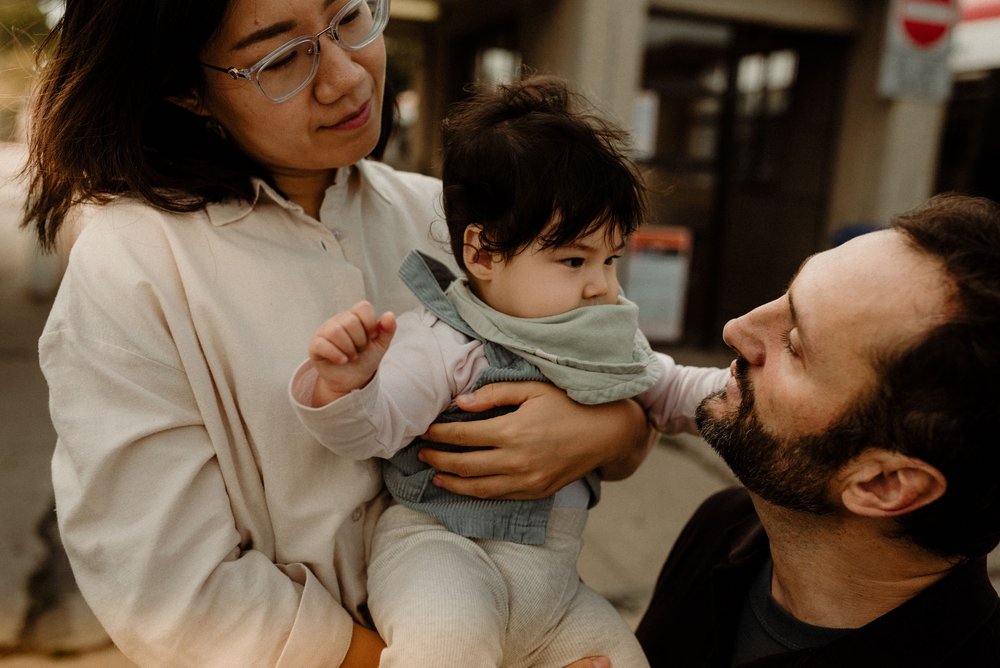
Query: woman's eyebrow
x: 270, y: 31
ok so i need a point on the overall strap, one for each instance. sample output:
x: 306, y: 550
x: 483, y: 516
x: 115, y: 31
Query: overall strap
x: 428, y: 278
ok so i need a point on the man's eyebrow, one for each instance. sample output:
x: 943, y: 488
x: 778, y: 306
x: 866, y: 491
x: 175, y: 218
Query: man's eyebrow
x: 791, y: 310
x: 793, y: 314
x: 791, y: 303
x: 804, y: 347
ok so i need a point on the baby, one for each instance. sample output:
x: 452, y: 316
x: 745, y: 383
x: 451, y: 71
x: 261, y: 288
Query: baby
x: 539, y: 200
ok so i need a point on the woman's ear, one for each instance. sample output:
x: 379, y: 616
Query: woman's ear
x: 882, y: 483
x: 478, y: 262
x: 191, y: 102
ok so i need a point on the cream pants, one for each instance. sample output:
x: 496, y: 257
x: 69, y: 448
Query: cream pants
x: 441, y: 600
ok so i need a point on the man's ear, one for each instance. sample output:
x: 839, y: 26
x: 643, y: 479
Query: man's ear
x: 882, y: 483
x: 478, y: 262
x: 191, y: 102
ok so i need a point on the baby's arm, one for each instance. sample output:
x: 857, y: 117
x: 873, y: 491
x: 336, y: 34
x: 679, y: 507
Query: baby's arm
x: 427, y: 364
x: 346, y: 351
x: 670, y: 404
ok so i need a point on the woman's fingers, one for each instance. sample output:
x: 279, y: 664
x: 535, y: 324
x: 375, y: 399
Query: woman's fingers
x: 499, y: 394
x: 491, y: 473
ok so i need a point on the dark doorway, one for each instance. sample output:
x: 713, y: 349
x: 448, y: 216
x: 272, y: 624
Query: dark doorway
x: 746, y: 124
x: 970, y: 146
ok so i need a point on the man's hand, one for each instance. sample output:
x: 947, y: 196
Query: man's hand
x: 346, y: 350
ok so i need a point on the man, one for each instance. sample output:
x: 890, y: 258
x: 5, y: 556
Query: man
x: 862, y: 417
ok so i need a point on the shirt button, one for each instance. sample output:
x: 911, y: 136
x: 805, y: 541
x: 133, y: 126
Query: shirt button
x: 356, y: 515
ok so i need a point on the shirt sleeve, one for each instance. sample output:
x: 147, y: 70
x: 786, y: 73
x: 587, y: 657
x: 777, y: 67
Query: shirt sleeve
x: 670, y: 404
x: 427, y: 364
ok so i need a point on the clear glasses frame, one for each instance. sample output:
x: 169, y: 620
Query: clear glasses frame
x: 253, y: 72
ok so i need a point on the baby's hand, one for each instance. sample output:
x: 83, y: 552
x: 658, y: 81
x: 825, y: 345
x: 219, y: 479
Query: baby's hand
x: 347, y: 349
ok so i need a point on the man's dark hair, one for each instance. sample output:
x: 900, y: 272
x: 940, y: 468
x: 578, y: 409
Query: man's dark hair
x: 525, y: 154
x: 940, y: 400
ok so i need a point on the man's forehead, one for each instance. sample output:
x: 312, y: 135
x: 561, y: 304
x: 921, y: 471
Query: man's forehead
x: 877, y: 286
x: 847, y: 255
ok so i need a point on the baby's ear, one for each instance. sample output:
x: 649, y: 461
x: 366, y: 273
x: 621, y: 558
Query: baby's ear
x: 478, y: 262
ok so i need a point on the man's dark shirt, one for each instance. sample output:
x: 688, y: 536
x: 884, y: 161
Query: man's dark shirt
x: 693, y: 616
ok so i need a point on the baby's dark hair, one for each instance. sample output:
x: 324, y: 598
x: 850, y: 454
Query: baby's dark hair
x: 525, y: 154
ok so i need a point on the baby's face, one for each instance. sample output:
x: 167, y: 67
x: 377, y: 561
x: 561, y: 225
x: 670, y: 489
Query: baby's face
x: 541, y: 282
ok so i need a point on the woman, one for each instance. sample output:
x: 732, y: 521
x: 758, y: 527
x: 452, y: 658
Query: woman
x: 220, y: 145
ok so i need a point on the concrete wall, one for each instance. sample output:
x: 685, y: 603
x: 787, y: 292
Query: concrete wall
x: 595, y: 44
x: 887, y: 149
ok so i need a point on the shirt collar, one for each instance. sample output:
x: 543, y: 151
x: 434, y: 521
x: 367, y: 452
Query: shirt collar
x: 232, y: 210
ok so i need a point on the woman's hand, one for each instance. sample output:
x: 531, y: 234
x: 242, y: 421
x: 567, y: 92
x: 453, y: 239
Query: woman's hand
x: 547, y: 443
x: 591, y: 662
x: 366, y: 648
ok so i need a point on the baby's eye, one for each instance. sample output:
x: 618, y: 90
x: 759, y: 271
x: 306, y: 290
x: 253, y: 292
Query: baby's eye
x: 611, y: 260
x: 573, y: 262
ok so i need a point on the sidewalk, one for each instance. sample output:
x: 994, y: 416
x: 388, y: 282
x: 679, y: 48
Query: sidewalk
x: 44, y: 621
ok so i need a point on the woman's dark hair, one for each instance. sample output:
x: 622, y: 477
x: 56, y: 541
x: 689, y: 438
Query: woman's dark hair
x: 525, y: 154
x: 940, y: 400
x: 102, y: 124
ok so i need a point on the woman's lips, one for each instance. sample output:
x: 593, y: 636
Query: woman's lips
x: 354, y: 120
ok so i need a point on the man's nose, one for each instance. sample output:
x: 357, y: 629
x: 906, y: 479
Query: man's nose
x: 747, y: 333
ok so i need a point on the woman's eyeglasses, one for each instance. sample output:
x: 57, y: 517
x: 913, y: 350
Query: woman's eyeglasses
x: 288, y: 69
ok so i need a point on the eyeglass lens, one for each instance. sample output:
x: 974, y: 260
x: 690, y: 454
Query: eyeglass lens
x: 292, y: 67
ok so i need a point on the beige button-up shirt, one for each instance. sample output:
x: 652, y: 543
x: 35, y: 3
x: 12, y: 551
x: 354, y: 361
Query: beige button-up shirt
x: 204, y: 524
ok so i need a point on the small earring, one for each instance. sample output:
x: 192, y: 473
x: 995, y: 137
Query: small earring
x: 215, y: 127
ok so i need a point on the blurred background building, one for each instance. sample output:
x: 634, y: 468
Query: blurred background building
x: 765, y: 127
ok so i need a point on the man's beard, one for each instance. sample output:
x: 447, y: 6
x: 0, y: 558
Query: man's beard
x: 790, y: 472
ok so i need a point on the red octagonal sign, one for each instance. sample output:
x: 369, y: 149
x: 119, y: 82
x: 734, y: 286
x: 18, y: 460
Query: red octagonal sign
x: 927, y: 22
